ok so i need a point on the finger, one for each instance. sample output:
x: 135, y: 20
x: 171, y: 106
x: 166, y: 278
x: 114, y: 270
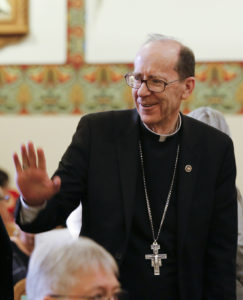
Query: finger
x: 41, y: 159
x: 17, y: 164
x: 25, y: 159
x: 31, y: 155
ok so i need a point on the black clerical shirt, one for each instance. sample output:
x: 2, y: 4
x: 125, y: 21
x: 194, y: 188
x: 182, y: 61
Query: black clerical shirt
x: 159, y: 160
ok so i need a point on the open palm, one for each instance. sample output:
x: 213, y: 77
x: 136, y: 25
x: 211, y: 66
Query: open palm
x: 32, y: 179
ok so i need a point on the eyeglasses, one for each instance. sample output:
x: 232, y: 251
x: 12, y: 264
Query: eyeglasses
x: 4, y: 198
x: 3, y: 195
x: 121, y: 295
x: 153, y: 84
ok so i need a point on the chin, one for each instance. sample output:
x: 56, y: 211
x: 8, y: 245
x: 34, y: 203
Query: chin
x: 149, y: 123
x: 149, y: 120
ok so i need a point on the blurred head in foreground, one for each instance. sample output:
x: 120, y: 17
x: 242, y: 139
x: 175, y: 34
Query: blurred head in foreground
x: 75, y: 269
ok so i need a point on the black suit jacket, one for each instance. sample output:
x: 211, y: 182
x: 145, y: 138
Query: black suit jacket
x: 6, y: 282
x: 100, y: 169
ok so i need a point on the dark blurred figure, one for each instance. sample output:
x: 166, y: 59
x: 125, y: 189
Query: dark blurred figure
x: 22, y: 244
x: 6, y: 283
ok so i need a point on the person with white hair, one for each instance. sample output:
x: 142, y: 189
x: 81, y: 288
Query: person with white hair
x: 216, y: 119
x: 78, y: 268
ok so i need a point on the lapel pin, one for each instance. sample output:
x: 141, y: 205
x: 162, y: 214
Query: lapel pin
x: 188, y: 168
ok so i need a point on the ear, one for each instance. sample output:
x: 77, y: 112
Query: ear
x: 189, y: 84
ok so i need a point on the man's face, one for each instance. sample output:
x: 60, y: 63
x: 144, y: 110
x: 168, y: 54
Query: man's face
x: 93, y: 282
x: 157, y: 60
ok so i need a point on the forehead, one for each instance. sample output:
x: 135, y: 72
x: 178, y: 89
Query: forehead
x: 158, y: 57
x: 94, y: 279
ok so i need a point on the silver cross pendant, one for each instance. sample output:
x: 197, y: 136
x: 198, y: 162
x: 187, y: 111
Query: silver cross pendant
x: 156, y: 258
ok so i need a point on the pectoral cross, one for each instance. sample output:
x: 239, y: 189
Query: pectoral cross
x: 156, y: 258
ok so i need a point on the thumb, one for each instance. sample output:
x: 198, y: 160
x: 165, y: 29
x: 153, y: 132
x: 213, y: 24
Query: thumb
x: 56, y: 183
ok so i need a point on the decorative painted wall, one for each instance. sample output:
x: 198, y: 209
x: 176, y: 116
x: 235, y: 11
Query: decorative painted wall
x: 78, y: 88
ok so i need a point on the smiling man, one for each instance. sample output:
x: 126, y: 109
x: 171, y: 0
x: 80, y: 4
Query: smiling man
x: 158, y: 100
x: 157, y: 187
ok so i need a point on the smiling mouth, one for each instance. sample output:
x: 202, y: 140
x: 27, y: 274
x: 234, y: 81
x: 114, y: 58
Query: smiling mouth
x: 147, y: 105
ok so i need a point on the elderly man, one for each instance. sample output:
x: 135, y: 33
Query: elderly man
x: 157, y: 188
x: 79, y: 269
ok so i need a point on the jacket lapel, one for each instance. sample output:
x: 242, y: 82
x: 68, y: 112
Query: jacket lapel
x: 127, y: 148
x: 187, y: 174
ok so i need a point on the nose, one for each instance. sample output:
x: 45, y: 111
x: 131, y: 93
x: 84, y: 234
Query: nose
x: 143, y: 90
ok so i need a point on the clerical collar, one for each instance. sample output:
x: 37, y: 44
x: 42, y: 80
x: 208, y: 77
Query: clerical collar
x: 162, y: 137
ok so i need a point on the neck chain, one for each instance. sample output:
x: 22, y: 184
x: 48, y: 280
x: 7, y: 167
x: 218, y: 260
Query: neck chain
x: 156, y: 257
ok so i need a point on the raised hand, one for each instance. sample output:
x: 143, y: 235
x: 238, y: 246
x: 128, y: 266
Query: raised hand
x: 32, y: 179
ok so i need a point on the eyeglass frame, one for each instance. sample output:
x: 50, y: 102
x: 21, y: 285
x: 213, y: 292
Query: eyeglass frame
x: 71, y: 296
x: 6, y: 198
x: 146, y: 80
x: 2, y: 196
x: 120, y: 293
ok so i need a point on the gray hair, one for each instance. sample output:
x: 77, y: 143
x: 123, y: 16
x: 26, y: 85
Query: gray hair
x: 211, y: 117
x: 185, y: 65
x: 152, y: 37
x: 53, y: 266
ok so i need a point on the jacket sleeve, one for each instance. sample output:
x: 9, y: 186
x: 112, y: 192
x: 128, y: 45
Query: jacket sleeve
x: 73, y: 170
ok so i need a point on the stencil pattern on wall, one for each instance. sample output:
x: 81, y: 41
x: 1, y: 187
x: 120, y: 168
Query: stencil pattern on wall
x: 78, y: 88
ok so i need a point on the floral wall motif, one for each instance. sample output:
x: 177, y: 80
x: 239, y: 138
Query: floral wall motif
x: 78, y: 88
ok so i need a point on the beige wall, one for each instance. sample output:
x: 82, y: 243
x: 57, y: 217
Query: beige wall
x: 103, y: 44
x: 236, y: 128
x: 47, y: 19
x: 54, y: 133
